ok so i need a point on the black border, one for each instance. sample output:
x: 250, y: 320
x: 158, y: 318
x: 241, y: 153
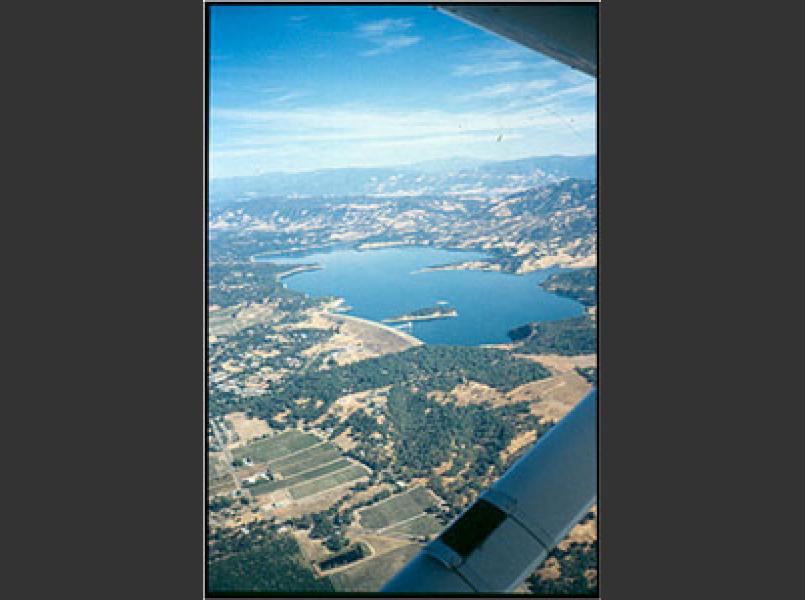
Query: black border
x: 207, y: 6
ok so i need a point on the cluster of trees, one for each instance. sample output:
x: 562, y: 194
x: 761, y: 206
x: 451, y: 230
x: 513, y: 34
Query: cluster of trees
x: 589, y: 373
x: 264, y: 562
x: 576, y: 335
x: 222, y: 402
x: 381, y: 495
x: 427, y: 433
x: 574, y: 562
x: 431, y: 367
x: 368, y: 450
x: 354, y: 553
x: 219, y: 503
x: 322, y: 526
x: 477, y: 468
x: 326, y: 525
x: 578, y: 284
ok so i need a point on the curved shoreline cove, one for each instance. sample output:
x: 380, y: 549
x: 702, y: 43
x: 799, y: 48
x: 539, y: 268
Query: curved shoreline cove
x: 382, y: 284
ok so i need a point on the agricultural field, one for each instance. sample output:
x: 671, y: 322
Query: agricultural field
x: 299, y: 462
x: 421, y: 525
x: 397, y: 508
x: 305, y: 459
x: 325, y: 483
x: 277, y: 446
x: 264, y: 487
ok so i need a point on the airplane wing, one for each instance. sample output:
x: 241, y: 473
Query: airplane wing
x: 567, y: 33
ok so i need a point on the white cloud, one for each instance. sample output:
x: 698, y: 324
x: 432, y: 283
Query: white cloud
x: 387, y: 35
x: 378, y: 28
x: 391, y: 44
x: 556, y: 100
x: 291, y: 96
x: 509, y: 89
x: 497, y: 57
x: 488, y: 68
x: 360, y: 125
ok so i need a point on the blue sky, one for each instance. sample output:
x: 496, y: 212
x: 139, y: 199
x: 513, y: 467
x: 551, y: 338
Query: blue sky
x: 299, y: 88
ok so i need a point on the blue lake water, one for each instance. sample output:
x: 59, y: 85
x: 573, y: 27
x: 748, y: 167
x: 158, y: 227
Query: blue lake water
x: 379, y: 284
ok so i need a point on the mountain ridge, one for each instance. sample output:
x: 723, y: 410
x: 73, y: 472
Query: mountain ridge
x: 459, y: 177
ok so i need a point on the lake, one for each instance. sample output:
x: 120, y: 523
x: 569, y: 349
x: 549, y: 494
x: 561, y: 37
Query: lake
x: 382, y: 283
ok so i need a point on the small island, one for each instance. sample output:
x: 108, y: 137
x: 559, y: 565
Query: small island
x: 472, y: 265
x: 298, y: 269
x: 425, y: 314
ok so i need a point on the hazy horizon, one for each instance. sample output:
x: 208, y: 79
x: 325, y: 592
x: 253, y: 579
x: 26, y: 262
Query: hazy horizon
x: 447, y: 159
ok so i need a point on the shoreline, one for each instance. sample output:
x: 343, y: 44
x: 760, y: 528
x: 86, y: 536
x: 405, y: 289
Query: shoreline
x: 490, y: 262
x: 547, y: 263
x: 401, y: 334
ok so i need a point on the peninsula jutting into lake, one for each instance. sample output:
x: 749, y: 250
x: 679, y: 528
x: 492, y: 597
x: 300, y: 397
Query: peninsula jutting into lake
x: 425, y: 314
